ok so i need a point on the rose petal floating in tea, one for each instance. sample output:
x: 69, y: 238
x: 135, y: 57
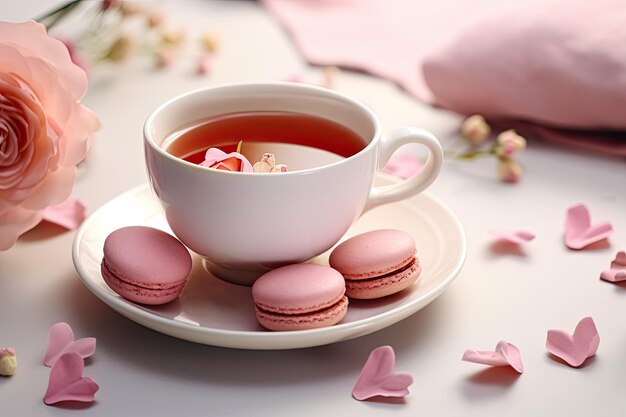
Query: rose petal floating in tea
x: 218, y: 159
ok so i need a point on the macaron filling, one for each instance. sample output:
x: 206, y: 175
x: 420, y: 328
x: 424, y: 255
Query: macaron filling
x: 382, y: 273
x: 285, y: 310
x: 384, y: 285
x: 313, y: 319
x: 137, y: 293
x: 112, y: 273
x: 413, y: 264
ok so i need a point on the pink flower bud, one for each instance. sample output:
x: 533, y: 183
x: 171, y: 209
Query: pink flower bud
x: 205, y: 64
x: 121, y: 48
x: 268, y: 164
x: 155, y: 18
x: 210, y: 42
x: 173, y: 36
x: 509, y: 170
x: 109, y: 4
x: 475, y: 129
x: 8, y: 361
x: 510, y: 143
x: 130, y: 8
x: 164, y: 57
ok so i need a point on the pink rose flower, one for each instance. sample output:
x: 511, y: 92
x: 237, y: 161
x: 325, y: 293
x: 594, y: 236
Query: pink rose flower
x: 75, y: 55
x: 218, y: 159
x: 44, y: 129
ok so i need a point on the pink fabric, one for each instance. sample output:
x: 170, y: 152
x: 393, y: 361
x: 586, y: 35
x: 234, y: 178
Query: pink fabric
x: 561, y: 65
x: 557, y: 67
x: 385, y: 38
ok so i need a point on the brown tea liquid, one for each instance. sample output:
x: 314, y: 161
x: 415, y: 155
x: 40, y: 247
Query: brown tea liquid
x: 225, y: 132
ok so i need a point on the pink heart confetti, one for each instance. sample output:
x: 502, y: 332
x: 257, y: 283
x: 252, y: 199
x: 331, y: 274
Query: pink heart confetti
x: 403, y: 166
x: 579, y: 232
x: 518, y: 237
x: 69, y: 214
x: 61, y: 341
x: 575, y: 349
x: 505, y: 354
x: 378, y: 377
x: 67, y: 382
x: 617, y: 272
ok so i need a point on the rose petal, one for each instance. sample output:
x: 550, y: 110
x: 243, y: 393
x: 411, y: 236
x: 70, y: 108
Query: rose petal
x: 14, y: 223
x: 69, y: 214
x: 617, y: 272
x: 517, y: 237
x: 506, y: 354
x: 61, y: 341
x: 55, y: 188
x: 377, y: 378
x: 67, y: 383
x: 574, y: 349
x: 579, y: 232
x: 83, y: 122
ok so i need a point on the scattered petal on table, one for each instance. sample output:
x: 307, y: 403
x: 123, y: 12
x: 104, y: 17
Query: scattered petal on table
x: 617, y: 272
x: 61, y: 341
x: 505, y: 354
x: 69, y: 214
x: 403, y: 166
x: 518, y: 237
x: 67, y: 382
x: 377, y: 378
x: 574, y: 349
x: 579, y: 232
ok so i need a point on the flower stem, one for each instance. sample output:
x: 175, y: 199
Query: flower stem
x: 58, y: 13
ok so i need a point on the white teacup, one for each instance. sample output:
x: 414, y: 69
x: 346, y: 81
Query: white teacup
x: 245, y: 224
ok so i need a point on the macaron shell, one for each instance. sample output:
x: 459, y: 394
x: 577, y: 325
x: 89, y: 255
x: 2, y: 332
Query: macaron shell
x: 139, y: 294
x: 373, y: 254
x: 298, y: 289
x: 287, y: 322
x: 147, y: 257
x: 385, y: 285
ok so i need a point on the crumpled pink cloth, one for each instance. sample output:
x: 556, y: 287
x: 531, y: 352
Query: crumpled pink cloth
x: 550, y: 64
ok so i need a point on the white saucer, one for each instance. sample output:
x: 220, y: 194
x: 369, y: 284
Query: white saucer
x: 214, y: 312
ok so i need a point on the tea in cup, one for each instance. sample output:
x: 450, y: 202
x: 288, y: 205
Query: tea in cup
x: 245, y: 223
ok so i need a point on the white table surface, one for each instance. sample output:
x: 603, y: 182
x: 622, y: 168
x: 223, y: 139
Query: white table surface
x: 496, y: 297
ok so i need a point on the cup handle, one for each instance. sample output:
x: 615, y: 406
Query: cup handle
x: 416, y: 184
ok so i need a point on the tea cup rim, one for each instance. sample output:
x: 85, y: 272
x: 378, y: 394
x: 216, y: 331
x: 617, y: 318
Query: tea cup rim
x: 148, y: 139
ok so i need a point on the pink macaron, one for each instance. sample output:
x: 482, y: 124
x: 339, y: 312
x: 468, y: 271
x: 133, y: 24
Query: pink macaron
x: 145, y: 265
x: 300, y: 297
x: 377, y: 263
